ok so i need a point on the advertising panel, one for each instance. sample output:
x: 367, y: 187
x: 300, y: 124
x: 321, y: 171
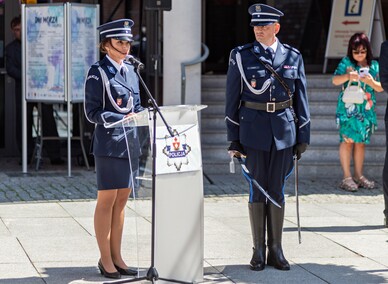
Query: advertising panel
x: 44, y: 28
x: 83, y: 46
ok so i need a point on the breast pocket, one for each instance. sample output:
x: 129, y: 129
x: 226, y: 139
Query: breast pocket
x: 119, y: 90
x: 289, y: 76
x: 256, y: 77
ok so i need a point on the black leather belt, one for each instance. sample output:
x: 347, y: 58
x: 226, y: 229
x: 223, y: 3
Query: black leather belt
x: 268, y: 107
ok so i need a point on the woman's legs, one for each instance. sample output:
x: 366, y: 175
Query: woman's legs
x: 118, y: 225
x: 102, y: 226
x: 345, y: 153
x: 358, y: 156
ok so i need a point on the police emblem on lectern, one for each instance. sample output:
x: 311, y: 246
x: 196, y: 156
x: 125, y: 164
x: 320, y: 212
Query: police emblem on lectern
x: 176, y: 150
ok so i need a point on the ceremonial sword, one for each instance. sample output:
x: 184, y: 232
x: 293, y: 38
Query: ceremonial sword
x: 256, y: 184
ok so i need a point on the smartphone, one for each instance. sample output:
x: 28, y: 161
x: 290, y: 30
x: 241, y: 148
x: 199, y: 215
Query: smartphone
x: 364, y: 71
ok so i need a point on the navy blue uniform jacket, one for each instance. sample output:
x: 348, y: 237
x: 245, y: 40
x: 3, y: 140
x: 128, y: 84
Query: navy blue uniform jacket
x: 383, y: 64
x: 249, y: 80
x: 112, y: 105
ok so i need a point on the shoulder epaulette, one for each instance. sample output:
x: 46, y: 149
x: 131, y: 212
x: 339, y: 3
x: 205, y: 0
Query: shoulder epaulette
x: 291, y: 48
x: 96, y: 64
x: 243, y: 47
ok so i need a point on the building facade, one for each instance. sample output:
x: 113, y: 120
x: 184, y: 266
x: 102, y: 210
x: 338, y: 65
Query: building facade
x: 165, y: 39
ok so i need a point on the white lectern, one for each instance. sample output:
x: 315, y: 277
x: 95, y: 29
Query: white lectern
x: 178, y: 200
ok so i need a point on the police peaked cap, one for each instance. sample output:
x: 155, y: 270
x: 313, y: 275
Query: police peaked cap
x: 263, y: 15
x: 119, y: 29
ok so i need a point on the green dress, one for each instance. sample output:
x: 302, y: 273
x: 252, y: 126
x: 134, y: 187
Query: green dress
x: 357, y: 121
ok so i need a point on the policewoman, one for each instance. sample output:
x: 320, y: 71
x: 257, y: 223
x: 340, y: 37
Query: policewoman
x: 111, y: 94
x: 268, y: 121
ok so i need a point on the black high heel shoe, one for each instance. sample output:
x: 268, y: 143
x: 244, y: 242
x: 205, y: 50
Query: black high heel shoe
x: 114, y: 275
x: 126, y: 271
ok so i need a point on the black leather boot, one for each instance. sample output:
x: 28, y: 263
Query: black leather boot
x: 275, y: 218
x: 257, y: 217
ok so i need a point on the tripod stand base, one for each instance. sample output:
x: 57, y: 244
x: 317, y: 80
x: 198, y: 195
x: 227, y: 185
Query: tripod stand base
x: 152, y: 276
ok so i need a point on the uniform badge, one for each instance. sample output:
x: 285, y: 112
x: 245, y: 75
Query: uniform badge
x: 258, y: 8
x: 290, y: 67
x: 119, y: 101
x: 253, y: 83
x: 126, y: 24
x: 111, y: 69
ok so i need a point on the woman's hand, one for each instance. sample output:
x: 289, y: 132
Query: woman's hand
x: 368, y: 80
x: 353, y: 76
x: 129, y: 114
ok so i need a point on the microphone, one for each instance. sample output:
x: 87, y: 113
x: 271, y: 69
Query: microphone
x: 137, y: 63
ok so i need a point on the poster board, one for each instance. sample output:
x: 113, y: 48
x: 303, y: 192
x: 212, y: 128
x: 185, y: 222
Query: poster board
x: 60, y: 46
x: 82, y: 46
x: 44, y: 67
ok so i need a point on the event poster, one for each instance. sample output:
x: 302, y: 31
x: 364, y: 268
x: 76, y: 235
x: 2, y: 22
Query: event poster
x: 83, y: 32
x: 45, y: 53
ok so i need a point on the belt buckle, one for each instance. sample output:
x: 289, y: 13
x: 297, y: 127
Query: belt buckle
x: 270, y: 107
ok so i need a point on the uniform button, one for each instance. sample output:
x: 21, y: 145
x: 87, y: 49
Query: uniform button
x: 273, y: 87
x: 273, y: 99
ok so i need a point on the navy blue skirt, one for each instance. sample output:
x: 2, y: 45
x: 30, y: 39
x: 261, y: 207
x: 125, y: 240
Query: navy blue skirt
x: 113, y: 173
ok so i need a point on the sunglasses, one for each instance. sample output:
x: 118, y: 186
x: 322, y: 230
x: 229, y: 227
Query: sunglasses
x: 359, y: 51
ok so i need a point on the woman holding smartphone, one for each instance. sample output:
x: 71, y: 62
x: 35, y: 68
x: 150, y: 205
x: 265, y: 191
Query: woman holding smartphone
x: 356, y: 122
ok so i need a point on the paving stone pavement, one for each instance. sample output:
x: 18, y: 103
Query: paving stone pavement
x: 47, y: 236
x: 51, y: 183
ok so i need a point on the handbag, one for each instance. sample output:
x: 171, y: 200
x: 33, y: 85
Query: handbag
x: 353, y: 94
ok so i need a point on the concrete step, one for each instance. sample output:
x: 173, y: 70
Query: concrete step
x: 218, y: 153
x: 217, y: 95
x: 317, y: 138
x: 321, y: 159
x: 316, y: 108
x: 318, y: 122
x: 306, y: 169
x: 313, y: 80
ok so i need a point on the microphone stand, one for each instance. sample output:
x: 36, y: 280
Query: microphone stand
x: 152, y: 273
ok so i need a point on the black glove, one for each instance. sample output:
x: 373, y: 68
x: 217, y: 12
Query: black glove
x: 299, y: 149
x: 236, y: 146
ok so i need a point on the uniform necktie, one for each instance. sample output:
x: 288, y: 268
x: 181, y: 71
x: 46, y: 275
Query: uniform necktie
x: 122, y: 73
x: 271, y: 52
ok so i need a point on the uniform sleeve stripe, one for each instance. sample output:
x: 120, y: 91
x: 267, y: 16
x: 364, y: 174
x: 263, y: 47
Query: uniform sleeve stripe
x: 304, y: 124
x: 234, y: 122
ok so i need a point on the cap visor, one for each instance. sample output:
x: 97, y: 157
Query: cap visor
x: 124, y: 38
x: 261, y: 23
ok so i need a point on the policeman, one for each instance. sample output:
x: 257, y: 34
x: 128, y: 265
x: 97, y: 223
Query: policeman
x: 111, y: 94
x: 268, y: 121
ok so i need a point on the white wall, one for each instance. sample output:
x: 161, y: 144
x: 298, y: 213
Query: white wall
x: 181, y: 42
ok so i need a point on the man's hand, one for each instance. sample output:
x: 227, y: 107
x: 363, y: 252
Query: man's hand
x: 236, y: 149
x: 299, y: 149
